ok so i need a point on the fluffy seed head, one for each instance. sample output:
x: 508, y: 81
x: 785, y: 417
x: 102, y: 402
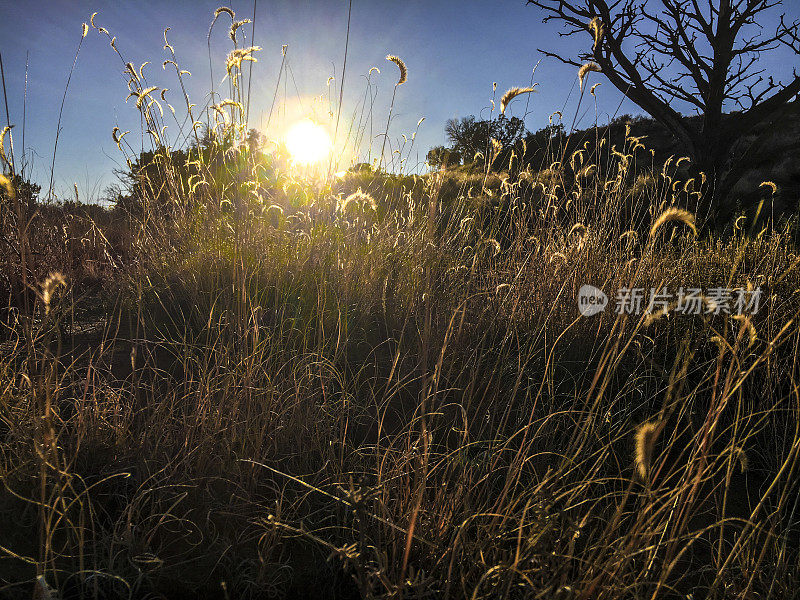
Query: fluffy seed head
x: 748, y: 327
x: 400, y: 65
x: 598, y: 30
x: 235, y: 25
x: 646, y: 437
x: 578, y: 228
x: 144, y: 94
x: 235, y: 58
x: 674, y: 214
x: 3, y: 156
x: 53, y: 281
x: 587, y: 68
x: 166, y: 43
x: 771, y: 185
x: 358, y: 196
x: 224, y: 9
x: 5, y: 184
x: 511, y: 94
x: 742, y: 456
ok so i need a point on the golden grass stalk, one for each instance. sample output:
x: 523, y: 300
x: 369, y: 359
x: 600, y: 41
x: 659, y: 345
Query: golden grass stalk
x: 226, y: 10
x: 747, y: 325
x: 493, y: 243
x: 5, y: 183
x: 677, y: 215
x: 771, y: 185
x: 741, y: 455
x: 578, y: 228
x: 240, y: 55
x: 400, y: 65
x: 235, y: 26
x: 117, y: 136
x: 140, y: 96
x: 586, y: 69
x: 360, y: 197
x: 50, y: 285
x: 598, y: 31
x: 645, y: 438
x: 6, y: 130
x: 513, y: 93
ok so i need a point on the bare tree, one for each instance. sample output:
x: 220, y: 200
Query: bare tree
x: 703, y: 54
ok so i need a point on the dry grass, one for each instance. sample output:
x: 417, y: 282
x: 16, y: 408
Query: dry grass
x: 283, y: 399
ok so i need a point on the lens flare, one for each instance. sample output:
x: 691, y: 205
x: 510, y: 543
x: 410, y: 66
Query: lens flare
x: 308, y: 142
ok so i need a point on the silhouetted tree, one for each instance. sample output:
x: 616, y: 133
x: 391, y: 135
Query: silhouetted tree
x: 217, y: 169
x: 469, y: 137
x: 702, y: 53
x: 545, y: 142
x: 27, y: 192
x: 441, y: 156
x: 155, y: 179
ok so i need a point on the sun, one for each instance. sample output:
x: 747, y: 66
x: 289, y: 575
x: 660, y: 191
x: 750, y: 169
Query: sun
x: 308, y: 142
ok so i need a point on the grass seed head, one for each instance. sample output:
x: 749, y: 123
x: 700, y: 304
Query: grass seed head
x: 771, y: 185
x: 674, y: 214
x: 598, y: 31
x: 5, y: 184
x: 226, y: 10
x: 359, y: 197
x: 578, y: 228
x: 513, y: 93
x: 646, y: 437
x: 587, y: 68
x: 6, y: 130
x: 235, y: 26
x: 50, y: 285
x: 400, y: 65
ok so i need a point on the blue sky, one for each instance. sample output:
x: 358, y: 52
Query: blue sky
x: 454, y: 50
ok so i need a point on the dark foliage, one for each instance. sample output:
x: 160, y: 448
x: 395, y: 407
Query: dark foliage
x: 703, y: 55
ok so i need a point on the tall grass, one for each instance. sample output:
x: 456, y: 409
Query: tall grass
x: 381, y: 387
